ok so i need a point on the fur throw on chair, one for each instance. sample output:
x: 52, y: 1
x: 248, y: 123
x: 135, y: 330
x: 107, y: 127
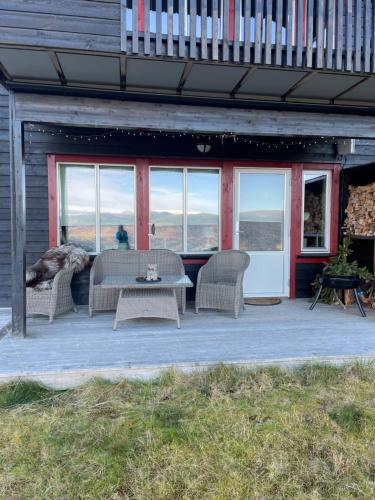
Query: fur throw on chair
x: 40, y: 275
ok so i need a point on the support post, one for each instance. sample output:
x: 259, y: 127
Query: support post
x: 18, y: 216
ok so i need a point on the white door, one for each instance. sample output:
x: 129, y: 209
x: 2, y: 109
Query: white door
x: 262, y: 228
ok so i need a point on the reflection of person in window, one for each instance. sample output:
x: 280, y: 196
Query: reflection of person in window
x: 63, y: 235
x: 122, y: 238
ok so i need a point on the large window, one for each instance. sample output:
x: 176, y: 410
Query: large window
x: 316, y: 211
x: 93, y: 201
x: 184, y: 209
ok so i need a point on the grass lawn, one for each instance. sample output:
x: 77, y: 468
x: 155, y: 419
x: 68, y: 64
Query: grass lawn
x: 226, y: 433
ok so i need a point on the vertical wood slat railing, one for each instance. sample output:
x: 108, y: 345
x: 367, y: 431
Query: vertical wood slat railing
x: 336, y: 35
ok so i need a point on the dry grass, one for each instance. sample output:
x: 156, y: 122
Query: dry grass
x: 226, y: 433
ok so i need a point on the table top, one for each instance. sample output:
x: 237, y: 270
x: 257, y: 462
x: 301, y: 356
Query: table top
x: 170, y: 281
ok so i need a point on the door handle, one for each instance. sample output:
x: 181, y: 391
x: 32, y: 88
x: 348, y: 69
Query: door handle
x: 152, y: 230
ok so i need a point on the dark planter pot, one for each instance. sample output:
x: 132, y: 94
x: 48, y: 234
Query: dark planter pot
x: 340, y: 282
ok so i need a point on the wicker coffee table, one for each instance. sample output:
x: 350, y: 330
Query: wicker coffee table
x: 146, y: 299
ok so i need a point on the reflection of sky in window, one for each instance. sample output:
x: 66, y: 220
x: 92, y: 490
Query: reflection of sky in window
x: 116, y: 190
x: 77, y: 189
x: 166, y: 190
x: 78, y: 185
x: 261, y: 192
x: 203, y: 192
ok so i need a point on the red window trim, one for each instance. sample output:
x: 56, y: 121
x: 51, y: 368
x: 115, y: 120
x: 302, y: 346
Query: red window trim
x: 52, y: 201
x: 195, y: 261
x: 227, y: 199
x: 311, y: 260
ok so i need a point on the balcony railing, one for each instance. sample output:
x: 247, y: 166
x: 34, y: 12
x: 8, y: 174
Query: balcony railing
x: 320, y: 34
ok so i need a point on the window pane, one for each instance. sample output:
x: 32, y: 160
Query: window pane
x: 261, y: 212
x: 116, y: 205
x: 77, y: 206
x: 203, y: 210
x: 314, y: 217
x: 166, y: 207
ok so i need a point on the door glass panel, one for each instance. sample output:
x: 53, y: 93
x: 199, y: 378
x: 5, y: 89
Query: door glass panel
x: 261, y: 212
x: 116, y: 205
x: 166, y: 208
x: 77, y: 206
x: 203, y: 210
x: 314, y: 214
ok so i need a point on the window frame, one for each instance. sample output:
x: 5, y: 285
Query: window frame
x: 328, y: 213
x: 185, y: 186
x: 96, y: 166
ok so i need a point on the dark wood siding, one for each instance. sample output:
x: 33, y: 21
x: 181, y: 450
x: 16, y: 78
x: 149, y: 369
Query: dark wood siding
x: 364, y: 153
x: 76, y: 24
x: 5, y: 274
x: 305, y: 275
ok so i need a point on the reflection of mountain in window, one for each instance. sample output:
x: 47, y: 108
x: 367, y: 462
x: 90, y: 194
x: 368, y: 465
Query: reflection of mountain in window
x: 261, y: 212
x: 184, y: 209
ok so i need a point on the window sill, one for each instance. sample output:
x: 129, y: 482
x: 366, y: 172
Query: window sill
x: 318, y: 251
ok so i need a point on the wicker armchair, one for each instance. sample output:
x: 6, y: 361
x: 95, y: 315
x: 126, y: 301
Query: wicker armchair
x: 52, y: 302
x: 130, y: 263
x: 219, y: 284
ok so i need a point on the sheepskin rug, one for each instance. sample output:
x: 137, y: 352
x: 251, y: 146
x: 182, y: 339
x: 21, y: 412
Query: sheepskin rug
x: 40, y: 275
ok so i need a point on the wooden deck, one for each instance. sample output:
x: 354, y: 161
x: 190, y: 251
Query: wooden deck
x: 75, y: 348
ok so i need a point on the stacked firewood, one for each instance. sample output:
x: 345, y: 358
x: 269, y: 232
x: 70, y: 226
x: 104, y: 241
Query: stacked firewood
x: 369, y: 298
x: 360, y: 212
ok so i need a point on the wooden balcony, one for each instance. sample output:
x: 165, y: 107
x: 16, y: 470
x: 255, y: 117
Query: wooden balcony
x: 318, y: 52
x: 333, y: 35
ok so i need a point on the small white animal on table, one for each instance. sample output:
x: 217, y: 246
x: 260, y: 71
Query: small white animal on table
x: 152, y: 272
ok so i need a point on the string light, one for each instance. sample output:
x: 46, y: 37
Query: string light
x: 155, y: 134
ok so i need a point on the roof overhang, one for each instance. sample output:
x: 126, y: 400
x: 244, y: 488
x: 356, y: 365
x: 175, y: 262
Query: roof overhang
x: 119, y: 73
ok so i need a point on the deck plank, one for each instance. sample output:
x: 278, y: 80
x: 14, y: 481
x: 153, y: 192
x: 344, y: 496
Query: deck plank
x: 287, y: 332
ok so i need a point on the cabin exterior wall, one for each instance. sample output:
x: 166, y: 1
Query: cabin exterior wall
x: 40, y: 144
